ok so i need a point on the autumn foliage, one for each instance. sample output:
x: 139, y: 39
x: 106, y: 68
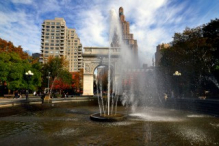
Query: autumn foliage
x: 76, y: 85
x: 8, y: 47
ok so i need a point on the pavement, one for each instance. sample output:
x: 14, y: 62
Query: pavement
x: 9, y: 102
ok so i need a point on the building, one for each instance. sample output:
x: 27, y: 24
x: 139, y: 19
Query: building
x: 128, y: 38
x: 60, y: 41
x: 36, y: 55
x: 158, y: 54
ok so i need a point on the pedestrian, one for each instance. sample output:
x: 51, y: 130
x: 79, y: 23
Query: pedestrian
x: 26, y: 94
x: 42, y: 97
x: 16, y: 94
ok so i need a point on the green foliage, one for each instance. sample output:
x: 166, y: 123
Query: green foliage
x: 57, y: 67
x: 13, y: 65
x: 195, y: 54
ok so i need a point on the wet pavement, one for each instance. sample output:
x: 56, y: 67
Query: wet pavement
x: 69, y: 124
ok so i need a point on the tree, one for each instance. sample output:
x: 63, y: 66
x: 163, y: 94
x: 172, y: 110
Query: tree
x: 58, y: 71
x: 12, y: 71
x: 13, y: 65
x: 9, y: 47
x: 77, y: 80
x: 192, y: 55
x: 211, y: 32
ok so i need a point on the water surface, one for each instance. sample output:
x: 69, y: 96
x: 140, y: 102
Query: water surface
x: 69, y: 124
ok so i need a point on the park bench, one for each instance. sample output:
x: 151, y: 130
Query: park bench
x: 8, y: 95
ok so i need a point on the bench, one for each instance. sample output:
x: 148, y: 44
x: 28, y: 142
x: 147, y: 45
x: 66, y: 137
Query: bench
x: 8, y: 95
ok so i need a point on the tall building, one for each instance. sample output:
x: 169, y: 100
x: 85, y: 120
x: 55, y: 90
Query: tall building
x: 127, y: 36
x: 60, y: 41
x: 158, y: 54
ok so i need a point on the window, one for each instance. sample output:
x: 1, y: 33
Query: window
x: 46, y: 51
x: 76, y: 40
x: 46, y: 41
x: 47, y: 29
x: 47, y: 26
x: 57, y: 30
x: 46, y: 48
x: 51, y: 51
x: 57, y: 37
x: 57, y: 34
x: 52, y: 37
x: 51, y: 48
x: 46, y: 44
x: 47, y: 23
x: 57, y: 23
x: 57, y: 26
x: 52, y: 26
x: 52, y: 33
x: 53, y: 30
x: 53, y: 23
x: 47, y: 33
x: 51, y: 44
x: 52, y: 40
x: 57, y: 41
x: 47, y: 37
x: 57, y: 48
x: 57, y: 44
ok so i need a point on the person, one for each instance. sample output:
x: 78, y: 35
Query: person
x: 42, y: 97
x: 16, y: 94
x: 27, y: 94
x: 165, y: 96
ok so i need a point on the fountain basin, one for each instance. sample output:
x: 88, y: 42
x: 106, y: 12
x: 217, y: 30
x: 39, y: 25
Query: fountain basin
x: 107, y: 118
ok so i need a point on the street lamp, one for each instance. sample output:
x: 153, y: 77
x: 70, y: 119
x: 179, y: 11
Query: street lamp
x: 177, y: 74
x: 29, y: 74
x: 48, y: 77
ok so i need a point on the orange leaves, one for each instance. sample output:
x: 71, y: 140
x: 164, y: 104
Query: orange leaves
x: 8, y: 47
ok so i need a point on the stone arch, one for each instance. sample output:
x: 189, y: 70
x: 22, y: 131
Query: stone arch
x: 94, y: 57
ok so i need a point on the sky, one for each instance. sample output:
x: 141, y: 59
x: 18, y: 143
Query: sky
x: 151, y: 21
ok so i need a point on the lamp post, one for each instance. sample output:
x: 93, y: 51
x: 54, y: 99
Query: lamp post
x: 48, y: 77
x: 177, y: 74
x: 29, y: 74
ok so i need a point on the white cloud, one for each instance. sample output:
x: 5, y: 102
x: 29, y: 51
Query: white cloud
x: 18, y: 28
x: 92, y: 28
x: 22, y: 1
x: 151, y: 21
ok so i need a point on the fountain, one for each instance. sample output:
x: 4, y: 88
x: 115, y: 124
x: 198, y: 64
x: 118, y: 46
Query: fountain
x: 133, y: 86
x: 115, y: 41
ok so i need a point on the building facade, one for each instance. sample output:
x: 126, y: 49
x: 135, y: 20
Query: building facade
x: 60, y: 41
x: 128, y: 38
x: 158, y: 54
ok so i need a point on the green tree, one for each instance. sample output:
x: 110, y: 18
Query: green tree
x: 57, y: 67
x: 12, y: 71
x: 192, y: 55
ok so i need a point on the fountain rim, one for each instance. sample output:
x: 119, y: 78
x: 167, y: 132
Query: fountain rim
x: 99, y: 118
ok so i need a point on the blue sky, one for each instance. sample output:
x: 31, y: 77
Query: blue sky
x: 152, y: 21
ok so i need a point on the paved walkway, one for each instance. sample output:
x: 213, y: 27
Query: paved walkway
x: 8, y: 102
